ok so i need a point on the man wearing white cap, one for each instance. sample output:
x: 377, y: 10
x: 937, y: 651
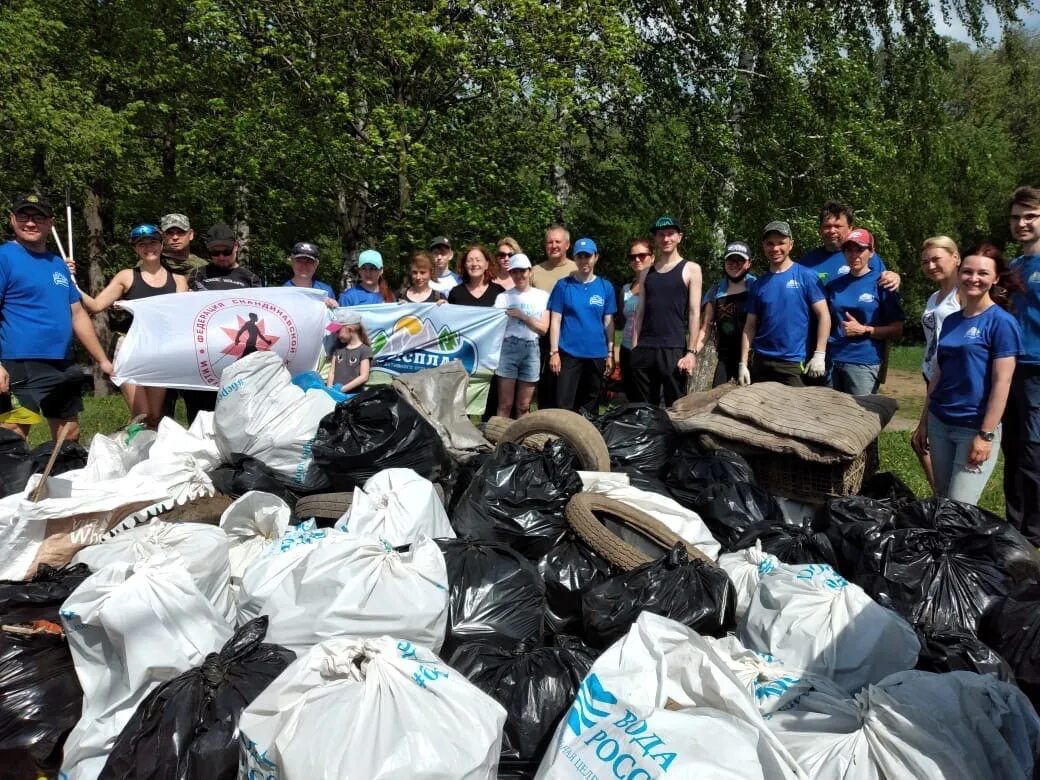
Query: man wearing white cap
x: 519, y: 363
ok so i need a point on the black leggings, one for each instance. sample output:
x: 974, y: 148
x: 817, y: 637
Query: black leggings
x: 580, y: 383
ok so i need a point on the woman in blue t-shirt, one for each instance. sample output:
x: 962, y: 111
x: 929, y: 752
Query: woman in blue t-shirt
x: 975, y: 360
x: 581, y: 332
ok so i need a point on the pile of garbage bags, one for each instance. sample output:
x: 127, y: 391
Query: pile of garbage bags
x: 493, y: 625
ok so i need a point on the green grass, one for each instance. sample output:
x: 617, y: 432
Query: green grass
x: 906, y: 358
x: 100, y: 415
x: 898, y: 457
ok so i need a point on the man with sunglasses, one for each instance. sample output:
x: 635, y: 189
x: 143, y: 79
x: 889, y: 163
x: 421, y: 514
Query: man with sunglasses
x: 221, y: 273
x: 40, y: 310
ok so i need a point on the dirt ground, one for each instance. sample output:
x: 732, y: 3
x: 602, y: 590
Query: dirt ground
x: 907, y: 387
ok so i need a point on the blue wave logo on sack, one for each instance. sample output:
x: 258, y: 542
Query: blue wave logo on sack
x: 305, y: 533
x: 413, y: 345
x: 626, y: 747
x: 822, y: 573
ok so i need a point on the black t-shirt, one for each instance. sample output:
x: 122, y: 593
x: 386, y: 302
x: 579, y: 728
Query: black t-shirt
x: 213, y: 277
x: 461, y: 296
x: 730, y: 316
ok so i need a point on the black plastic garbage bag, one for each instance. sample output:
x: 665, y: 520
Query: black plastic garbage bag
x: 949, y: 650
x: 1011, y: 626
x: 791, y: 543
x: 187, y: 728
x: 690, y: 591
x: 850, y: 523
x: 519, y: 496
x: 569, y: 569
x: 643, y: 481
x: 689, y: 471
x: 536, y: 685
x: 945, y: 562
x: 71, y: 456
x: 495, y: 595
x: 16, y: 464
x: 375, y: 430
x: 886, y: 485
x: 244, y: 473
x: 40, y: 695
x: 640, y: 436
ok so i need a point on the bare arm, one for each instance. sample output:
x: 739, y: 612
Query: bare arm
x: 706, y: 320
x: 181, y: 282
x: 747, y: 338
x: 638, y: 326
x: 692, y: 274
x: 84, y: 330
x: 608, y: 331
x: 554, y: 341
x: 1000, y: 386
x: 115, y: 290
x: 823, y: 324
x: 360, y: 379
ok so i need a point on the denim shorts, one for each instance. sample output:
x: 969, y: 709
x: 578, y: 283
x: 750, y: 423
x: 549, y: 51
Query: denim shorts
x: 519, y: 359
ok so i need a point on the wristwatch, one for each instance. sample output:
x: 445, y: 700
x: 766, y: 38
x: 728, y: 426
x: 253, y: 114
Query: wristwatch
x: 987, y: 435
x: 690, y: 352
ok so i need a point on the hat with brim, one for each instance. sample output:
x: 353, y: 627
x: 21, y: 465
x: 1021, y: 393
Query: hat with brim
x: 343, y: 317
x: 439, y: 241
x: 737, y: 249
x: 777, y: 226
x: 665, y: 222
x: 178, y: 221
x: 860, y: 237
x: 32, y: 202
x: 370, y: 257
x: 519, y: 262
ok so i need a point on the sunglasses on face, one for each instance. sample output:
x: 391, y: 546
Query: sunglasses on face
x: 640, y: 255
x: 504, y: 255
x: 224, y: 252
x: 30, y: 216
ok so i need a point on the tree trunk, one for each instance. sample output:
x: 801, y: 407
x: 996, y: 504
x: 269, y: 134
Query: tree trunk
x: 242, y: 226
x: 96, y: 274
x: 351, y: 213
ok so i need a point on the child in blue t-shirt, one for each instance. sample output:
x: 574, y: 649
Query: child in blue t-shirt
x: 975, y: 360
x: 778, y: 317
x: 864, y: 315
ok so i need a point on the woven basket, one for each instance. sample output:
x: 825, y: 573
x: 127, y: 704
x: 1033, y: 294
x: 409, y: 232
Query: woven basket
x: 813, y: 483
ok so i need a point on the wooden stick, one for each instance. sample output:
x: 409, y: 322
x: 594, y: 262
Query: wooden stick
x: 62, y: 433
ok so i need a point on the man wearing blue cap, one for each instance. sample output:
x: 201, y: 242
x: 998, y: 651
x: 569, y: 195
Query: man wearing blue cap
x: 664, y: 339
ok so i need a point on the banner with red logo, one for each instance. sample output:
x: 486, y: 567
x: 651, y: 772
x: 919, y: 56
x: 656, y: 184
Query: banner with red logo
x: 186, y: 340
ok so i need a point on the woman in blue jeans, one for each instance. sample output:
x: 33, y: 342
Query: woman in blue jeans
x: 975, y: 360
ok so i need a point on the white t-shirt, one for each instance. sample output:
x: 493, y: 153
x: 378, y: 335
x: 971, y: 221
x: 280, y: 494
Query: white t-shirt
x: 935, y: 311
x: 444, y: 283
x: 532, y: 302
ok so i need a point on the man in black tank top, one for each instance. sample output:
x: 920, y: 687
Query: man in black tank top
x: 667, y: 320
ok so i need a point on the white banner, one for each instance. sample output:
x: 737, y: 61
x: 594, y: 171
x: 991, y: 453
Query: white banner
x: 408, y: 337
x: 186, y: 340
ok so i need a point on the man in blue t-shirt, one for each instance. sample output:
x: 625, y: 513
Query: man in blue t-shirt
x: 779, y: 308
x: 40, y: 310
x: 828, y: 261
x: 304, y: 261
x: 1021, y: 428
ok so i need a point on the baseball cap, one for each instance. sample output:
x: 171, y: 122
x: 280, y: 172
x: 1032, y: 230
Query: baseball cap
x: 174, y: 221
x: 221, y: 234
x: 666, y: 222
x: 32, y: 200
x: 439, y: 241
x: 584, y: 246
x: 305, y: 249
x: 145, y: 232
x: 518, y: 262
x: 860, y: 237
x: 777, y: 226
x: 370, y: 257
x: 738, y: 248
x: 342, y: 317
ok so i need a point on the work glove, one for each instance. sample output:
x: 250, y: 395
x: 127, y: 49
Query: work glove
x: 743, y: 376
x: 817, y: 366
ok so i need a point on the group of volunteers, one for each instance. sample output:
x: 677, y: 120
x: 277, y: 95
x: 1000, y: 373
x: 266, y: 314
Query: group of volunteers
x: 823, y: 318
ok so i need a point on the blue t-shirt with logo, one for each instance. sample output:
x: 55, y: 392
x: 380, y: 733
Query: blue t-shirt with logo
x: 583, y: 305
x: 967, y: 348
x: 316, y: 285
x: 783, y: 302
x: 36, y: 297
x: 359, y: 296
x: 869, y: 304
x: 1027, y: 307
x: 828, y: 265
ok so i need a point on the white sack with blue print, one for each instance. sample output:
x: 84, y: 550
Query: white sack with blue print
x: 366, y: 709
